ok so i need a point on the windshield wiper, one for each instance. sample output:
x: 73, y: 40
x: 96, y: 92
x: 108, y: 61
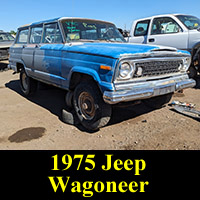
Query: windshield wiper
x: 107, y: 40
x: 80, y: 40
x: 86, y: 40
x: 103, y: 39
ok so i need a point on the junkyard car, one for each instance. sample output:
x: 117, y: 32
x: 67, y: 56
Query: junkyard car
x: 90, y: 59
x: 6, y: 40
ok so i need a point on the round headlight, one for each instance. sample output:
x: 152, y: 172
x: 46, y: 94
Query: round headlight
x: 125, y: 70
x: 185, y: 65
x: 187, y: 62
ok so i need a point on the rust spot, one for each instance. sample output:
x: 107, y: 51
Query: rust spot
x: 27, y: 134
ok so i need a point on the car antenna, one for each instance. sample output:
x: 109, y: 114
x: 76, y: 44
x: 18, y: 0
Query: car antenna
x: 73, y: 11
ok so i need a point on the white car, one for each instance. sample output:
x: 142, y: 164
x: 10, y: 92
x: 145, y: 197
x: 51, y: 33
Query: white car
x: 6, y: 40
x: 174, y: 30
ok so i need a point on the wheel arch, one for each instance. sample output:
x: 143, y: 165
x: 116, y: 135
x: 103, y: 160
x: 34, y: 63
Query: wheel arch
x: 20, y: 65
x: 79, y: 74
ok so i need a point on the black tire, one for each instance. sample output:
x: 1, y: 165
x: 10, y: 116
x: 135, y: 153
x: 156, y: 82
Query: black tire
x: 27, y: 84
x: 158, y: 102
x: 68, y: 98
x: 192, y: 72
x: 89, y: 106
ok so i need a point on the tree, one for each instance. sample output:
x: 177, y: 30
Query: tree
x: 13, y: 32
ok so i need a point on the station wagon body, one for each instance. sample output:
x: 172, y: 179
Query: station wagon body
x: 91, y: 60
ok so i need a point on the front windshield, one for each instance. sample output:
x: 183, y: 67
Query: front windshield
x: 190, y: 22
x: 4, y: 37
x: 88, y: 30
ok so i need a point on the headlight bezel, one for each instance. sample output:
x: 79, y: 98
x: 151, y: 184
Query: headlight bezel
x: 123, y: 74
x: 187, y: 62
x: 185, y: 65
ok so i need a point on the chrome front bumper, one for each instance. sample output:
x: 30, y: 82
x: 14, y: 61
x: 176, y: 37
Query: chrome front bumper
x: 148, y: 90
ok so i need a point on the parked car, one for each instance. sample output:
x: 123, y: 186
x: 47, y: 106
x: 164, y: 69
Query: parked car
x: 91, y: 60
x: 6, y: 40
x: 176, y: 30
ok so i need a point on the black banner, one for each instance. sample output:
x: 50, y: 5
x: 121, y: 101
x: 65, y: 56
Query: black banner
x: 98, y: 174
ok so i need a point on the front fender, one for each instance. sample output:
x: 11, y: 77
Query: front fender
x: 94, y: 74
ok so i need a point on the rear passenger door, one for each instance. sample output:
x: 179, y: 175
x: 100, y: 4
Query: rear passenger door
x: 29, y: 50
x: 20, y: 44
x: 48, y: 56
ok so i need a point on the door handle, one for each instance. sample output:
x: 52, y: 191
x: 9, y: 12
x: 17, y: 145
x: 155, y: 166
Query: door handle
x: 151, y: 40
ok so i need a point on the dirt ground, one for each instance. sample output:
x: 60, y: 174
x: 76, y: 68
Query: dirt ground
x: 35, y: 123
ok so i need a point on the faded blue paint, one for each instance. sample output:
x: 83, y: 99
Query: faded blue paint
x: 113, y: 50
x: 183, y: 51
x: 63, y: 60
x: 72, y: 62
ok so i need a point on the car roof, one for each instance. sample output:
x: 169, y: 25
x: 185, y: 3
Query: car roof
x: 60, y: 19
x: 164, y: 15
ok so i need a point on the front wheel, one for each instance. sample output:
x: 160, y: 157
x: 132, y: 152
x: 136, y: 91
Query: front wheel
x: 192, y: 72
x: 90, y: 108
x: 27, y: 84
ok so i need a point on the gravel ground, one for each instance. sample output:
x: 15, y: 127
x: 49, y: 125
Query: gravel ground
x: 35, y: 123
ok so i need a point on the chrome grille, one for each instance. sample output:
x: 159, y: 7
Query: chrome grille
x: 156, y: 68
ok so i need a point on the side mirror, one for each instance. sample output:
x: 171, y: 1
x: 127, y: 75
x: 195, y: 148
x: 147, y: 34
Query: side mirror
x: 140, y: 29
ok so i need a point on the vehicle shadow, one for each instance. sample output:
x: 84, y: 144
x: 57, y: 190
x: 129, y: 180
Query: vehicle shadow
x: 197, y: 79
x: 50, y: 98
x: 3, y: 66
x: 53, y: 99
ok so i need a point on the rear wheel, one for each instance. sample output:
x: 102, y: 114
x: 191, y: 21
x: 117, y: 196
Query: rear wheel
x: 159, y: 101
x: 90, y: 108
x: 27, y: 84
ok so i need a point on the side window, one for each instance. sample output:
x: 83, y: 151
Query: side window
x: 141, y: 28
x: 22, y: 37
x: 164, y: 25
x: 36, y: 34
x: 52, y: 34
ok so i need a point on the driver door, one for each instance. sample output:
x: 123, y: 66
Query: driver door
x: 165, y: 31
x: 48, y: 54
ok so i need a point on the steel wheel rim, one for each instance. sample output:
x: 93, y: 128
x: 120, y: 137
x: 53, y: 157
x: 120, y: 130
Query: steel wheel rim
x: 86, y: 105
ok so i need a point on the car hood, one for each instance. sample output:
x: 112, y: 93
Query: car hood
x: 114, y: 50
x: 6, y: 44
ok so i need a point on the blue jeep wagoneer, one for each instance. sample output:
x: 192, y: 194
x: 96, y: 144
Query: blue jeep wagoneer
x: 91, y: 60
